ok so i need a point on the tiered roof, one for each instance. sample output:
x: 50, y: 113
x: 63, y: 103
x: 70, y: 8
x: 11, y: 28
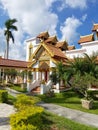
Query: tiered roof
x: 95, y: 27
x: 55, y: 51
x: 52, y: 40
x: 44, y: 35
x: 62, y: 45
x: 86, y: 38
x: 71, y: 47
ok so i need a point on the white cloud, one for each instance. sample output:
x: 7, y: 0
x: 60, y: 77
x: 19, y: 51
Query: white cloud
x: 73, y: 4
x: 69, y: 29
x: 2, y: 43
x: 33, y: 17
x: 84, y: 17
x: 49, y: 2
x: 77, y: 3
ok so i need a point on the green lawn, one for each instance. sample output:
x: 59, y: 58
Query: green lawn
x: 11, y: 99
x: 71, y: 100
x: 54, y: 122
x: 18, y: 88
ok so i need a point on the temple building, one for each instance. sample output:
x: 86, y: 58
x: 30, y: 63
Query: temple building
x: 45, y: 51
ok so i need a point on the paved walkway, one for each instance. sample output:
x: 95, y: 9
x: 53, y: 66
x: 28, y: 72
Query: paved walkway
x: 5, y: 111
x: 78, y: 116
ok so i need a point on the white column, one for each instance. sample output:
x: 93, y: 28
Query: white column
x: 43, y: 86
x: 57, y: 86
x: 36, y: 75
x: 43, y: 76
x: 0, y: 73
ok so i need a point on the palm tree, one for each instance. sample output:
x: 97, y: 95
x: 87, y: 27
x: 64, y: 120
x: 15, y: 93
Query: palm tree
x: 9, y: 24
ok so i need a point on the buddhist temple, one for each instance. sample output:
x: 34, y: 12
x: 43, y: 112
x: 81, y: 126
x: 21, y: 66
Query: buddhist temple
x: 45, y: 51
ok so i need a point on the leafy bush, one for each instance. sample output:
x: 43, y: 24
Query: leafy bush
x: 3, y: 96
x: 25, y: 127
x: 82, y: 83
x: 29, y: 117
x: 24, y: 101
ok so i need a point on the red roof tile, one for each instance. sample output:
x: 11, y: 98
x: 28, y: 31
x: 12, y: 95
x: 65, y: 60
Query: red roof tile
x: 87, y: 38
x: 95, y: 27
x: 13, y: 63
x: 61, y: 44
x: 56, y: 51
x: 52, y: 39
x: 71, y: 47
x: 43, y: 35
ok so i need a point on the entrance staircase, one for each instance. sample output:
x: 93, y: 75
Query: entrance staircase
x: 35, y: 86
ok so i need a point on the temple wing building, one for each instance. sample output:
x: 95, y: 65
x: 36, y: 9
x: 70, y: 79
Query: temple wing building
x: 88, y: 43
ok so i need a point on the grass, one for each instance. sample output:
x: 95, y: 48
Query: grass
x: 18, y: 88
x: 11, y: 99
x: 71, y: 100
x: 54, y: 122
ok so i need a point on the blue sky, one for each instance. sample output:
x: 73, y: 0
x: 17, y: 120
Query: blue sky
x: 67, y: 19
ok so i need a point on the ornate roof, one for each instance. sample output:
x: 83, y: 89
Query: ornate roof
x: 95, y: 27
x: 86, y: 38
x: 62, y: 44
x: 13, y: 63
x: 71, y: 47
x: 55, y: 52
x: 43, y: 35
x: 51, y: 40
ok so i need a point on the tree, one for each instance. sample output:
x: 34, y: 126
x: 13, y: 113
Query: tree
x: 9, y: 24
x: 82, y: 73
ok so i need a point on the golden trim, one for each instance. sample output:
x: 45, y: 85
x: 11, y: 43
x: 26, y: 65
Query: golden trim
x: 51, y: 53
x: 53, y: 60
x: 30, y: 46
x: 33, y: 62
x: 32, y: 56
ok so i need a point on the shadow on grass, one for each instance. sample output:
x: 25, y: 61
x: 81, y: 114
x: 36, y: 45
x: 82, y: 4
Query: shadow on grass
x: 46, y: 122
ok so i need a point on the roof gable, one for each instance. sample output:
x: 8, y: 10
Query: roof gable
x: 71, y: 47
x: 51, y: 40
x: 62, y: 45
x: 95, y: 27
x: 51, y: 50
x: 43, y: 35
x: 86, y: 38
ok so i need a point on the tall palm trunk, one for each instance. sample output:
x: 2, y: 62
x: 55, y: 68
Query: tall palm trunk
x: 7, y: 50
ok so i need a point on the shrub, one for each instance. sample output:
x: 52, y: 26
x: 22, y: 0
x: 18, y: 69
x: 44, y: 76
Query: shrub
x: 25, y: 127
x: 3, y: 96
x: 23, y: 101
x: 29, y: 117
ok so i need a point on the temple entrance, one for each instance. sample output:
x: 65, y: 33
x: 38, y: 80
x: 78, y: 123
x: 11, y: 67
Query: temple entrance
x: 44, y: 69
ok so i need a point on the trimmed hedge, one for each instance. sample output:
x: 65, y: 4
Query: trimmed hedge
x: 28, y: 115
x: 25, y: 127
x: 3, y: 96
x: 24, y: 101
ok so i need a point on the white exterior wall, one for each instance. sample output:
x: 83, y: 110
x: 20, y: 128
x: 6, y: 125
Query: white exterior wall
x: 36, y: 65
x: 91, y: 47
x: 75, y: 53
x: 52, y: 64
x: 88, y: 48
x: 35, y: 42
